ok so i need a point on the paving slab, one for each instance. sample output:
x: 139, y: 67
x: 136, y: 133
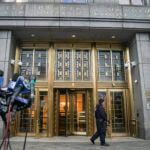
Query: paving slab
x: 78, y: 143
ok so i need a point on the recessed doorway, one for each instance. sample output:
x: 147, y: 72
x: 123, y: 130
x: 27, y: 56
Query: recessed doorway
x: 72, y: 113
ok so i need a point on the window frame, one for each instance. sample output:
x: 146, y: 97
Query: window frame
x: 130, y: 2
x: 34, y: 49
x: 74, y: 1
x: 111, y: 65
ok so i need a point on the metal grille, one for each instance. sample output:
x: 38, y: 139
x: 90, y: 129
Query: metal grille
x: 27, y: 60
x: 118, y: 65
x: 111, y: 65
x: 65, y: 61
x: 40, y: 64
x: 63, y: 64
x: 27, y: 120
x: 82, y: 65
x: 34, y: 62
x: 117, y: 111
x: 104, y: 65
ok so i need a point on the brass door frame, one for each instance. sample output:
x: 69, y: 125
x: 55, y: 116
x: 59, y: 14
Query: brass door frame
x: 37, y: 110
x: 109, y: 114
x: 38, y: 90
x: 69, y: 94
x: 74, y: 96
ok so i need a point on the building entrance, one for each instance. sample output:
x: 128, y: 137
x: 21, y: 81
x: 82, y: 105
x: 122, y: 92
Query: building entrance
x: 117, y: 111
x: 72, y: 113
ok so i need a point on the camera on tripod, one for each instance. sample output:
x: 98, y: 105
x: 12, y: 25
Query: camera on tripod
x: 10, y: 94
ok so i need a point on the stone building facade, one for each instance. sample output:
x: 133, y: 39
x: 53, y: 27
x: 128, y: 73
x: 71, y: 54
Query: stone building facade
x: 80, y: 50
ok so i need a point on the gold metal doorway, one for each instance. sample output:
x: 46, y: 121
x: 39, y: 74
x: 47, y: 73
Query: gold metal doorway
x: 34, y: 120
x: 72, y: 113
x: 116, y: 108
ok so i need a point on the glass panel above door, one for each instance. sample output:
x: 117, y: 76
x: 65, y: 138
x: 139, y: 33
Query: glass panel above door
x: 40, y: 64
x: 71, y: 65
x: 27, y: 62
x: 34, y: 61
x: 104, y: 65
x: 118, y: 66
x: 111, y: 65
x: 63, y: 62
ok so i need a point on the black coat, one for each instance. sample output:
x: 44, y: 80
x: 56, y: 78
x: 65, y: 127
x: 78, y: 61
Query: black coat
x: 100, y: 112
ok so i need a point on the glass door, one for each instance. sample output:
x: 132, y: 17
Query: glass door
x: 115, y: 106
x: 118, y: 110
x: 72, y: 114
x: 42, y: 113
x: 79, y: 114
x: 26, y: 120
x: 62, y: 114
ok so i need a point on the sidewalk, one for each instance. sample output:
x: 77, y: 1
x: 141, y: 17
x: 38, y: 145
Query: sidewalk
x: 79, y: 143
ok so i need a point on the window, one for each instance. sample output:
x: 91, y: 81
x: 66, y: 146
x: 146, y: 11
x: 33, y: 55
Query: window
x: 73, y: 1
x: 17, y: 1
x: 34, y: 62
x: 133, y: 2
x: 124, y: 2
x: 110, y: 65
x: 137, y: 2
x: 82, y: 65
x: 64, y: 62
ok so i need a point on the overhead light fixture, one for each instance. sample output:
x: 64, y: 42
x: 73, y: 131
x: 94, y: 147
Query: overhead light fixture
x: 32, y: 35
x: 73, y: 35
x: 113, y: 36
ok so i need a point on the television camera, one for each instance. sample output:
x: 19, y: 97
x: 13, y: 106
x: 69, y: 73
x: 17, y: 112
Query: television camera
x: 10, y: 95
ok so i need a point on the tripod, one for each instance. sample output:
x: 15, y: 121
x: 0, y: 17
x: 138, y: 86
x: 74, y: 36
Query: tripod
x: 6, y: 141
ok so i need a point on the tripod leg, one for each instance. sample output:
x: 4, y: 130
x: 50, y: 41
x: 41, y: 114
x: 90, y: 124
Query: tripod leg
x: 9, y: 140
x: 2, y: 143
x: 24, y: 146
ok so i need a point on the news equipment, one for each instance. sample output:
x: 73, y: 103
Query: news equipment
x: 10, y: 101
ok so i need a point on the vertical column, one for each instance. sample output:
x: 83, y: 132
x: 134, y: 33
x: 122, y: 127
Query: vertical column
x: 16, y: 69
x: 131, y: 120
x: 141, y: 82
x: 94, y: 77
x: 6, y: 52
x: 50, y: 89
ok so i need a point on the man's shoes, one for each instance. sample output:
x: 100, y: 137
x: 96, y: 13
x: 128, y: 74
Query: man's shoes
x: 106, y: 144
x: 92, y: 141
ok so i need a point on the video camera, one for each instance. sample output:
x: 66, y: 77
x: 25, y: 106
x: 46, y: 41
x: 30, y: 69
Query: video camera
x: 10, y: 94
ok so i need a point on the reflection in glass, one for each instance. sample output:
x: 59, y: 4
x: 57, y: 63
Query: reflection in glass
x: 72, y: 114
x: 43, y: 116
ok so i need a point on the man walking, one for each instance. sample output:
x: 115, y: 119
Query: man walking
x: 101, y: 118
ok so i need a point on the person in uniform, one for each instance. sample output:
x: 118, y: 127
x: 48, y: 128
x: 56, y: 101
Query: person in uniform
x: 101, y: 119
